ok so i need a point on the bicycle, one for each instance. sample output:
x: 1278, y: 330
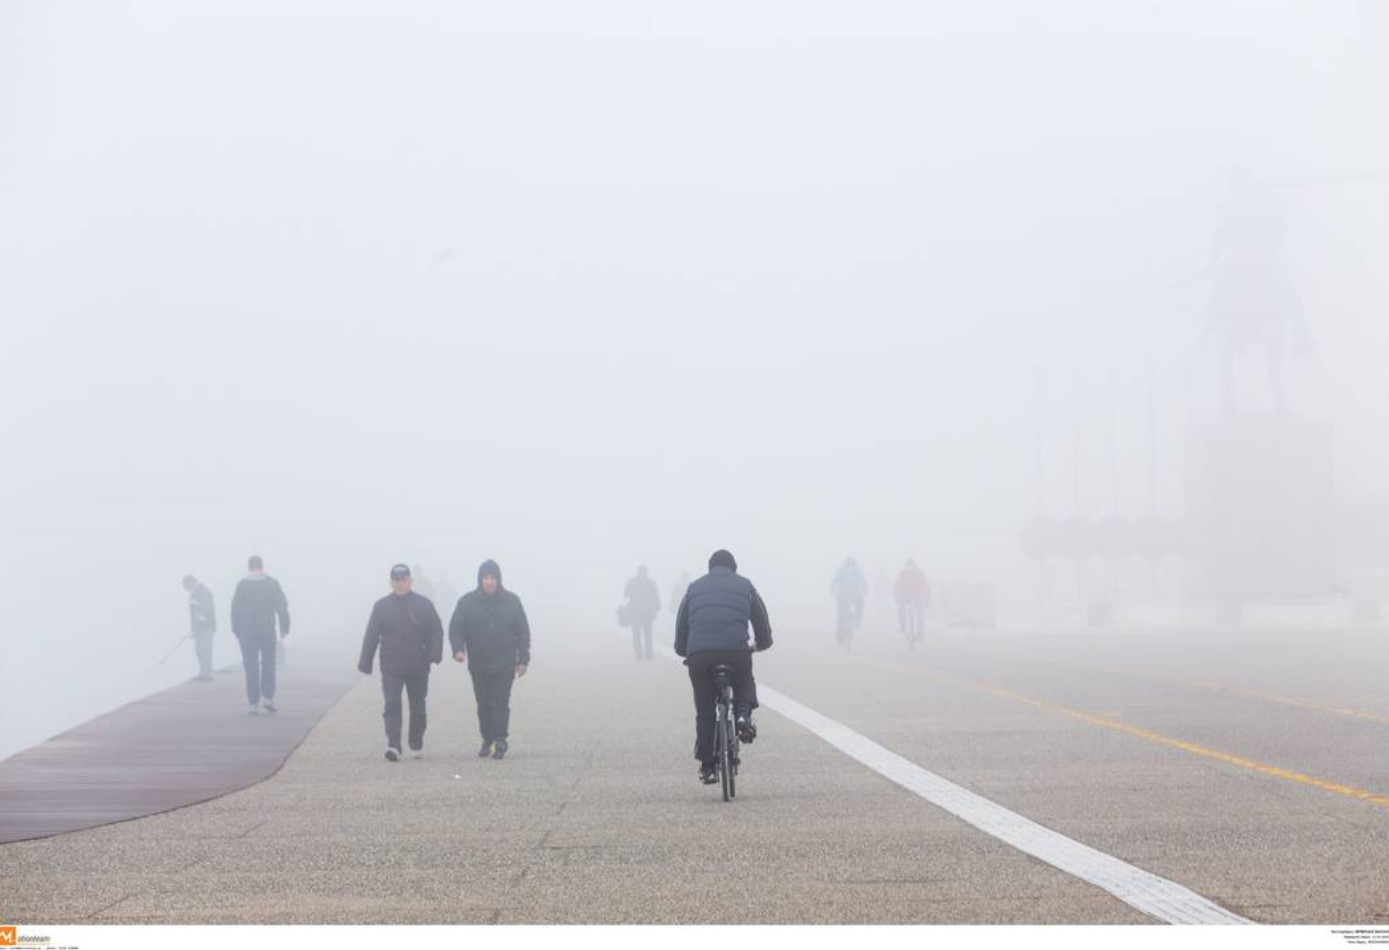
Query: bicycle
x: 726, y: 744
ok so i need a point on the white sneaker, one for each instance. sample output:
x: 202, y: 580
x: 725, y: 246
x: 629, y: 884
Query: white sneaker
x: 392, y: 755
x: 270, y: 706
x: 254, y: 710
x: 417, y: 754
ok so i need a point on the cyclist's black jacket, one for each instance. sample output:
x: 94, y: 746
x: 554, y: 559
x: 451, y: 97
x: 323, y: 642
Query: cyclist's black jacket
x: 491, y: 628
x: 408, y: 630
x: 716, y: 612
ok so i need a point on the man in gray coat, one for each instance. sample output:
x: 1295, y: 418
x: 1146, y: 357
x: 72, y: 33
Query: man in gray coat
x: 258, y: 602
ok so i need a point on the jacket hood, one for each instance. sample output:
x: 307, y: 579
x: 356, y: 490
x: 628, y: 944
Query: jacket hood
x: 488, y: 566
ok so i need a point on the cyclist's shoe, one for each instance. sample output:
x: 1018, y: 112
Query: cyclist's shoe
x: 486, y: 749
x: 499, y: 749
x: 746, y: 730
x: 708, y: 775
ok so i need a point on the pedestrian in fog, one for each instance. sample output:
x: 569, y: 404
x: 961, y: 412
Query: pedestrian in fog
x: 202, y: 624
x: 489, y: 631
x: 406, y: 628
x: 643, y: 603
x: 258, y: 603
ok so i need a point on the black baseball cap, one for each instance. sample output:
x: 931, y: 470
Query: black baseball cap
x: 399, y: 572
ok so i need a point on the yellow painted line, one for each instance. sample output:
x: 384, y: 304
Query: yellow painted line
x: 1375, y: 799
x: 1271, y: 697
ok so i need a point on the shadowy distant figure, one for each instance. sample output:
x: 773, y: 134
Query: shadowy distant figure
x: 677, y: 591
x: 643, y: 604
x: 1253, y: 302
x: 849, y: 588
x: 711, y: 629
x: 489, y: 631
x: 258, y: 602
x: 406, y: 628
x: 202, y: 624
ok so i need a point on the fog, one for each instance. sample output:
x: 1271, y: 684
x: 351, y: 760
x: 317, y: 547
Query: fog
x: 581, y: 289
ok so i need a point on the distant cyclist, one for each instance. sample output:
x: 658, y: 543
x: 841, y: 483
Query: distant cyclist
x: 711, y: 629
x: 912, y: 593
x: 849, y: 588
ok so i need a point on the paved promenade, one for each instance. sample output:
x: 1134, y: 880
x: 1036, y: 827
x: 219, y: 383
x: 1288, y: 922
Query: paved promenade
x: 596, y: 817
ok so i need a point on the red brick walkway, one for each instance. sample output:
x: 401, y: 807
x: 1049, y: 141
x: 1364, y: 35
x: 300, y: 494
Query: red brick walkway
x: 179, y: 747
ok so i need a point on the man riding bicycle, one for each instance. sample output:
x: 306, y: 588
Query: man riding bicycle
x: 912, y: 593
x: 711, y: 629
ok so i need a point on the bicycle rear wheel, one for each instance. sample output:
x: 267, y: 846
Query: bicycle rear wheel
x: 723, y: 753
x: 729, y: 760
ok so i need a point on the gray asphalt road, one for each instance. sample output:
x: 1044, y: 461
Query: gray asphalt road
x: 1192, y: 755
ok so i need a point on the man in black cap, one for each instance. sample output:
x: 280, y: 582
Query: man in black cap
x: 408, y: 631
x: 202, y: 624
x: 489, y: 631
x: 711, y: 629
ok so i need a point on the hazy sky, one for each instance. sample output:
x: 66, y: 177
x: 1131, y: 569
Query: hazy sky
x: 350, y: 283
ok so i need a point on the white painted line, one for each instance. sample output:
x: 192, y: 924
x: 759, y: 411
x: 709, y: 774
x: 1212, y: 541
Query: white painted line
x: 1158, y: 897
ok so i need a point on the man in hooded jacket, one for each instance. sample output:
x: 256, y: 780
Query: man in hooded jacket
x: 711, y: 629
x: 489, y: 631
x: 406, y: 628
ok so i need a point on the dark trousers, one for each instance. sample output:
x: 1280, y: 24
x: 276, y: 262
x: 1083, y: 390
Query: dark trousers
x: 641, y: 636
x: 493, y: 692
x: 416, y: 686
x: 705, y: 693
x: 202, y: 645
x: 258, y: 657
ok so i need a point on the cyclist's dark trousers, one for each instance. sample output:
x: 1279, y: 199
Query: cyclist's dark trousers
x: 416, y: 686
x: 641, y: 636
x: 493, y: 692
x: 258, y: 657
x: 705, y: 692
x: 202, y: 644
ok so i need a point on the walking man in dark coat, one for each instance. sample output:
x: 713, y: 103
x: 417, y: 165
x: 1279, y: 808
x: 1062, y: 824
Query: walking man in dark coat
x: 406, y: 628
x: 489, y: 631
x: 202, y: 624
x: 258, y: 602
